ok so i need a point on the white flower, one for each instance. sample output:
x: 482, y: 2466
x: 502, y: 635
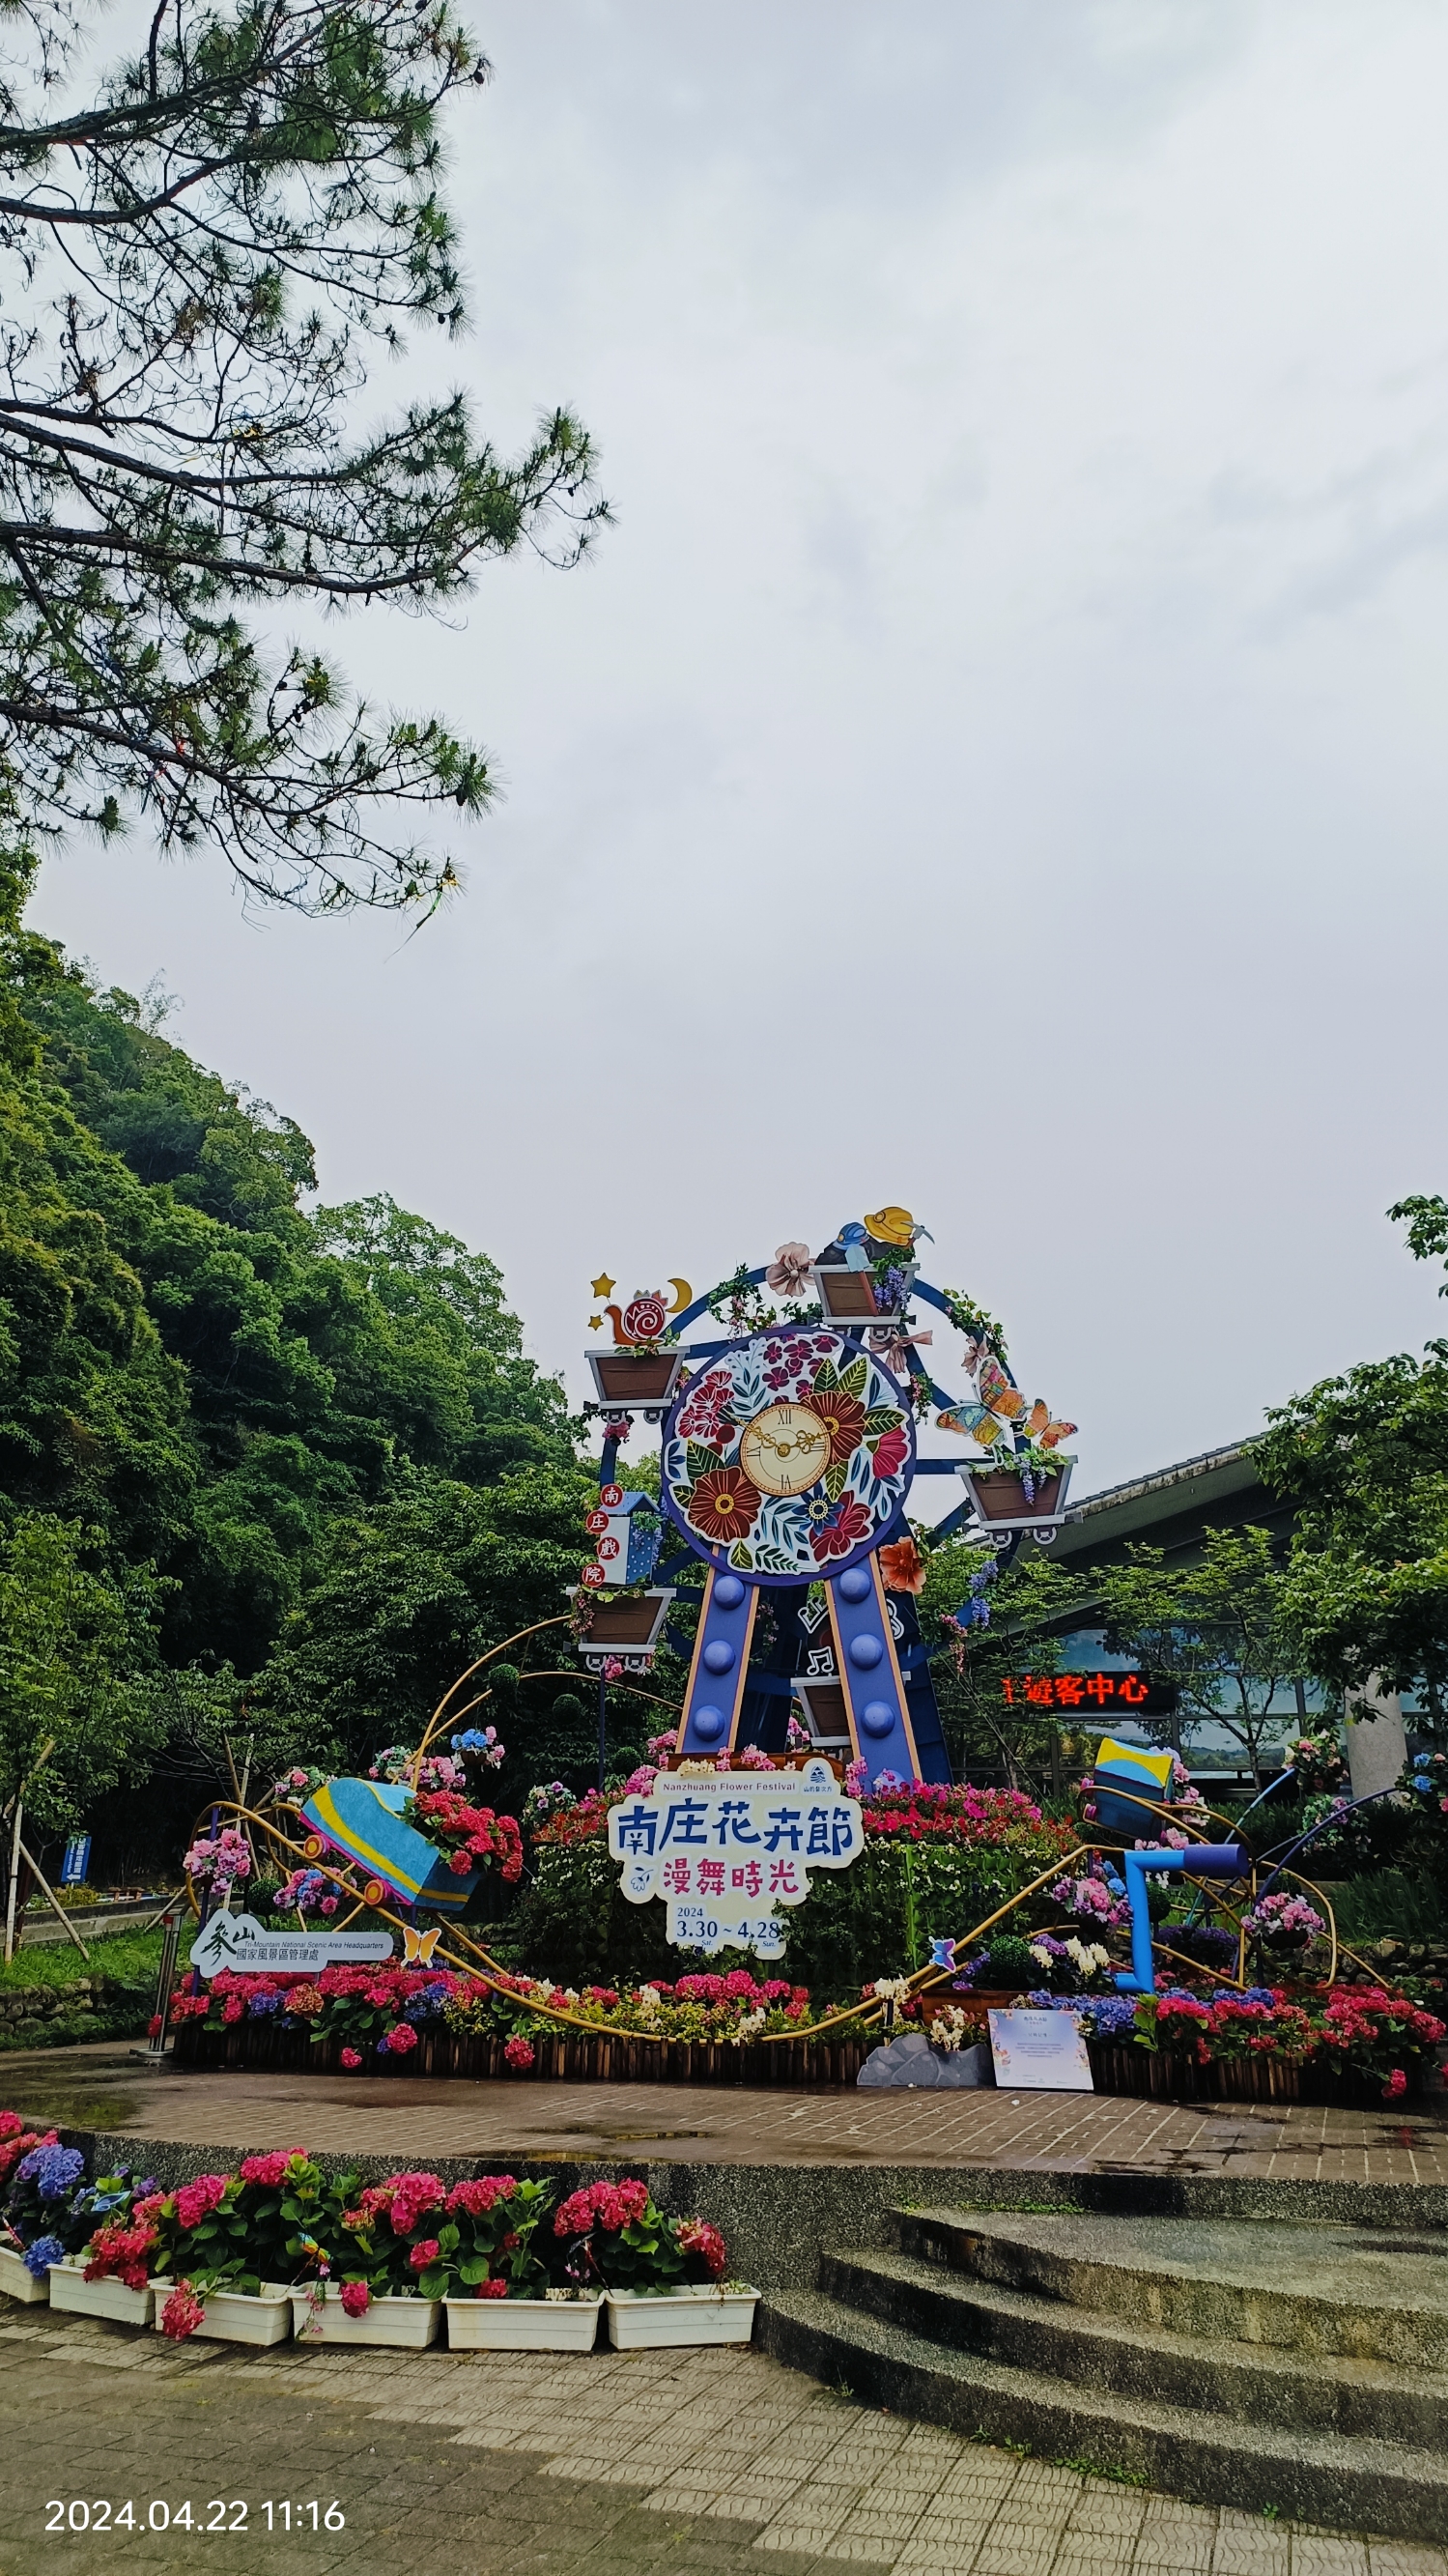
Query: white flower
x: 750, y: 2026
x: 1042, y: 1956
x: 648, y: 2000
x: 891, y: 1990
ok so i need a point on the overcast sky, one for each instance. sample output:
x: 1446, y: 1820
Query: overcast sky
x: 997, y: 763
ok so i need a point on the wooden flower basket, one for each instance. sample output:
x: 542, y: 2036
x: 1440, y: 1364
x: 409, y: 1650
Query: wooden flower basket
x: 1000, y: 1496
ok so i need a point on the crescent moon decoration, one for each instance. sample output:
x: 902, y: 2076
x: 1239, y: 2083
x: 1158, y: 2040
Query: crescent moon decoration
x: 683, y: 1297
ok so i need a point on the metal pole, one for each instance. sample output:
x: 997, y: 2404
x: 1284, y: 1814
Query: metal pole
x: 602, y: 1729
x: 164, y: 1982
x: 14, y: 1882
x: 206, y: 1888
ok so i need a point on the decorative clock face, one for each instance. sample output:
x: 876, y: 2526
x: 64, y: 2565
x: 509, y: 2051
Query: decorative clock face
x: 784, y: 1449
x: 789, y: 1456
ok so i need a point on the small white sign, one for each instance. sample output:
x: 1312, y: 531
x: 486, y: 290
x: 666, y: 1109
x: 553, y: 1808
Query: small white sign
x: 1040, y: 2052
x: 239, y: 1942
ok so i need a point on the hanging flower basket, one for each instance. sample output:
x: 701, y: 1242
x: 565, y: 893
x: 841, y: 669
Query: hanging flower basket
x: 642, y: 1382
x: 688, y: 2316
x: 854, y: 1297
x: 628, y: 1628
x: 1000, y: 1496
x: 523, y: 2325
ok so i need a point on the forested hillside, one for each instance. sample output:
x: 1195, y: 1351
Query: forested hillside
x: 266, y: 1468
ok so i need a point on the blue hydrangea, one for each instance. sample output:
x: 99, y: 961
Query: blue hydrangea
x: 38, y: 2257
x: 258, y: 2006
x: 53, y: 2170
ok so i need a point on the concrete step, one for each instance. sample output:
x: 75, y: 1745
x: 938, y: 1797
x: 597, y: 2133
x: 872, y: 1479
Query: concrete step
x: 1311, y: 2290
x: 1316, y: 2393
x: 1344, y: 2482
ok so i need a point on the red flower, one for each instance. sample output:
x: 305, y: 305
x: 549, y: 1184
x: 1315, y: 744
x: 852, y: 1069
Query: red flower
x: 843, y: 1417
x: 890, y: 1453
x: 518, y: 2052
x: 723, y: 1504
x: 356, y: 2298
x: 492, y: 2290
x: 425, y: 2253
x: 847, y: 1525
x: 182, y: 2313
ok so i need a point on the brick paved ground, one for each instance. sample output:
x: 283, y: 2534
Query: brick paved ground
x: 104, y: 2087
x: 640, y: 2464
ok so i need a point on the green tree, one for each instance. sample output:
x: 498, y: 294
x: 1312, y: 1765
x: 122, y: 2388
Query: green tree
x: 202, y: 248
x: 1364, y: 1457
x: 77, y: 1668
x: 1027, y: 1604
x: 1219, y: 1629
x: 397, y: 1602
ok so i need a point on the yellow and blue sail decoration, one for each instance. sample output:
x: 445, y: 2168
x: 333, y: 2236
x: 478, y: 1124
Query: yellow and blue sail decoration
x: 363, y: 1818
x: 1144, y: 1779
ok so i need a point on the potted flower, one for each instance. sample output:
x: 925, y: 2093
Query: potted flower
x: 490, y: 2274
x: 51, y: 2212
x: 663, y: 2277
x: 627, y: 1625
x: 1025, y: 1484
x: 366, y: 2258
x: 228, y: 2246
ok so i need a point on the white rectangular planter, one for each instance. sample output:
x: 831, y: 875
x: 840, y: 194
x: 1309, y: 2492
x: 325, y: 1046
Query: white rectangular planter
x: 637, y: 2317
x: 70, y: 2289
x: 409, y: 2324
x: 522, y: 2325
x: 16, y: 2282
x: 236, y: 2316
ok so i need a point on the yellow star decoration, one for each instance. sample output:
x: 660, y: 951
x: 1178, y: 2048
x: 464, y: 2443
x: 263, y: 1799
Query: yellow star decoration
x: 603, y: 1285
x: 594, y: 1322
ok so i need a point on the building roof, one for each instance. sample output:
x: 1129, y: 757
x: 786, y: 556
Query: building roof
x: 1171, y: 1509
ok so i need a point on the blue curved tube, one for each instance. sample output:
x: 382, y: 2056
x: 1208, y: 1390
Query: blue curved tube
x: 1204, y: 1860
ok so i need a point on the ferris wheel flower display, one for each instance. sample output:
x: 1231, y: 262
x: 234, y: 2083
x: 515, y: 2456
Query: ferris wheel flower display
x: 789, y: 1455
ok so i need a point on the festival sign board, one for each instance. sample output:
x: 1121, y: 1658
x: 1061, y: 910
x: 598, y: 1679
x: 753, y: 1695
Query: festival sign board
x: 724, y: 1849
x: 239, y: 1942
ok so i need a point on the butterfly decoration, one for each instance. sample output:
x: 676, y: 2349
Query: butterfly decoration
x: 1002, y: 1408
x: 418, y: 1947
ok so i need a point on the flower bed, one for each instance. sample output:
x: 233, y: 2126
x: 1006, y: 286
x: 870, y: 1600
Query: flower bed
x: 436, y: 2021
x: 1346, y: 2044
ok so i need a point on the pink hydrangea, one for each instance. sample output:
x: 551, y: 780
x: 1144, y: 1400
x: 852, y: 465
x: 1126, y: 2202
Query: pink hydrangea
x: 609, y: 2205
x: 196, y: 2200
x: 518, y: 2052
x: 481, y: 2195
x: 270, y: 2169
x: 182, y: 2313
x: 425, y: 2253
x: 491, y: 2290
x: 697, y: 2237
x: 398, y: 2039
x: 356, y: 2298
x: 351, y: 2060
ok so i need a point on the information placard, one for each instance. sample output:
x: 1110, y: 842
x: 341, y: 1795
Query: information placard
x: 1040, y: 2052
x: 239, y: 1942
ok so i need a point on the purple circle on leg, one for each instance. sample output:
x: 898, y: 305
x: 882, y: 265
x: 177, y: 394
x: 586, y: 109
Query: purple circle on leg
x: 877, y: 1717
x: 709, y: 1724
x: 719, y: 1656
x: 856, y: 1585
x: 728, y: 1591
x: 867, y: 1651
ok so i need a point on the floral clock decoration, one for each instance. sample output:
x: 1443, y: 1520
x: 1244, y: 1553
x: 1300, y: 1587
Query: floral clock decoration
x: 789, y: 1456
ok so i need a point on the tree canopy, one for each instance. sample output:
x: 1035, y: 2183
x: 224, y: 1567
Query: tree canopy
x: 200, y: 250
x: 266, y: 1432
x: 1364, y: 1457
